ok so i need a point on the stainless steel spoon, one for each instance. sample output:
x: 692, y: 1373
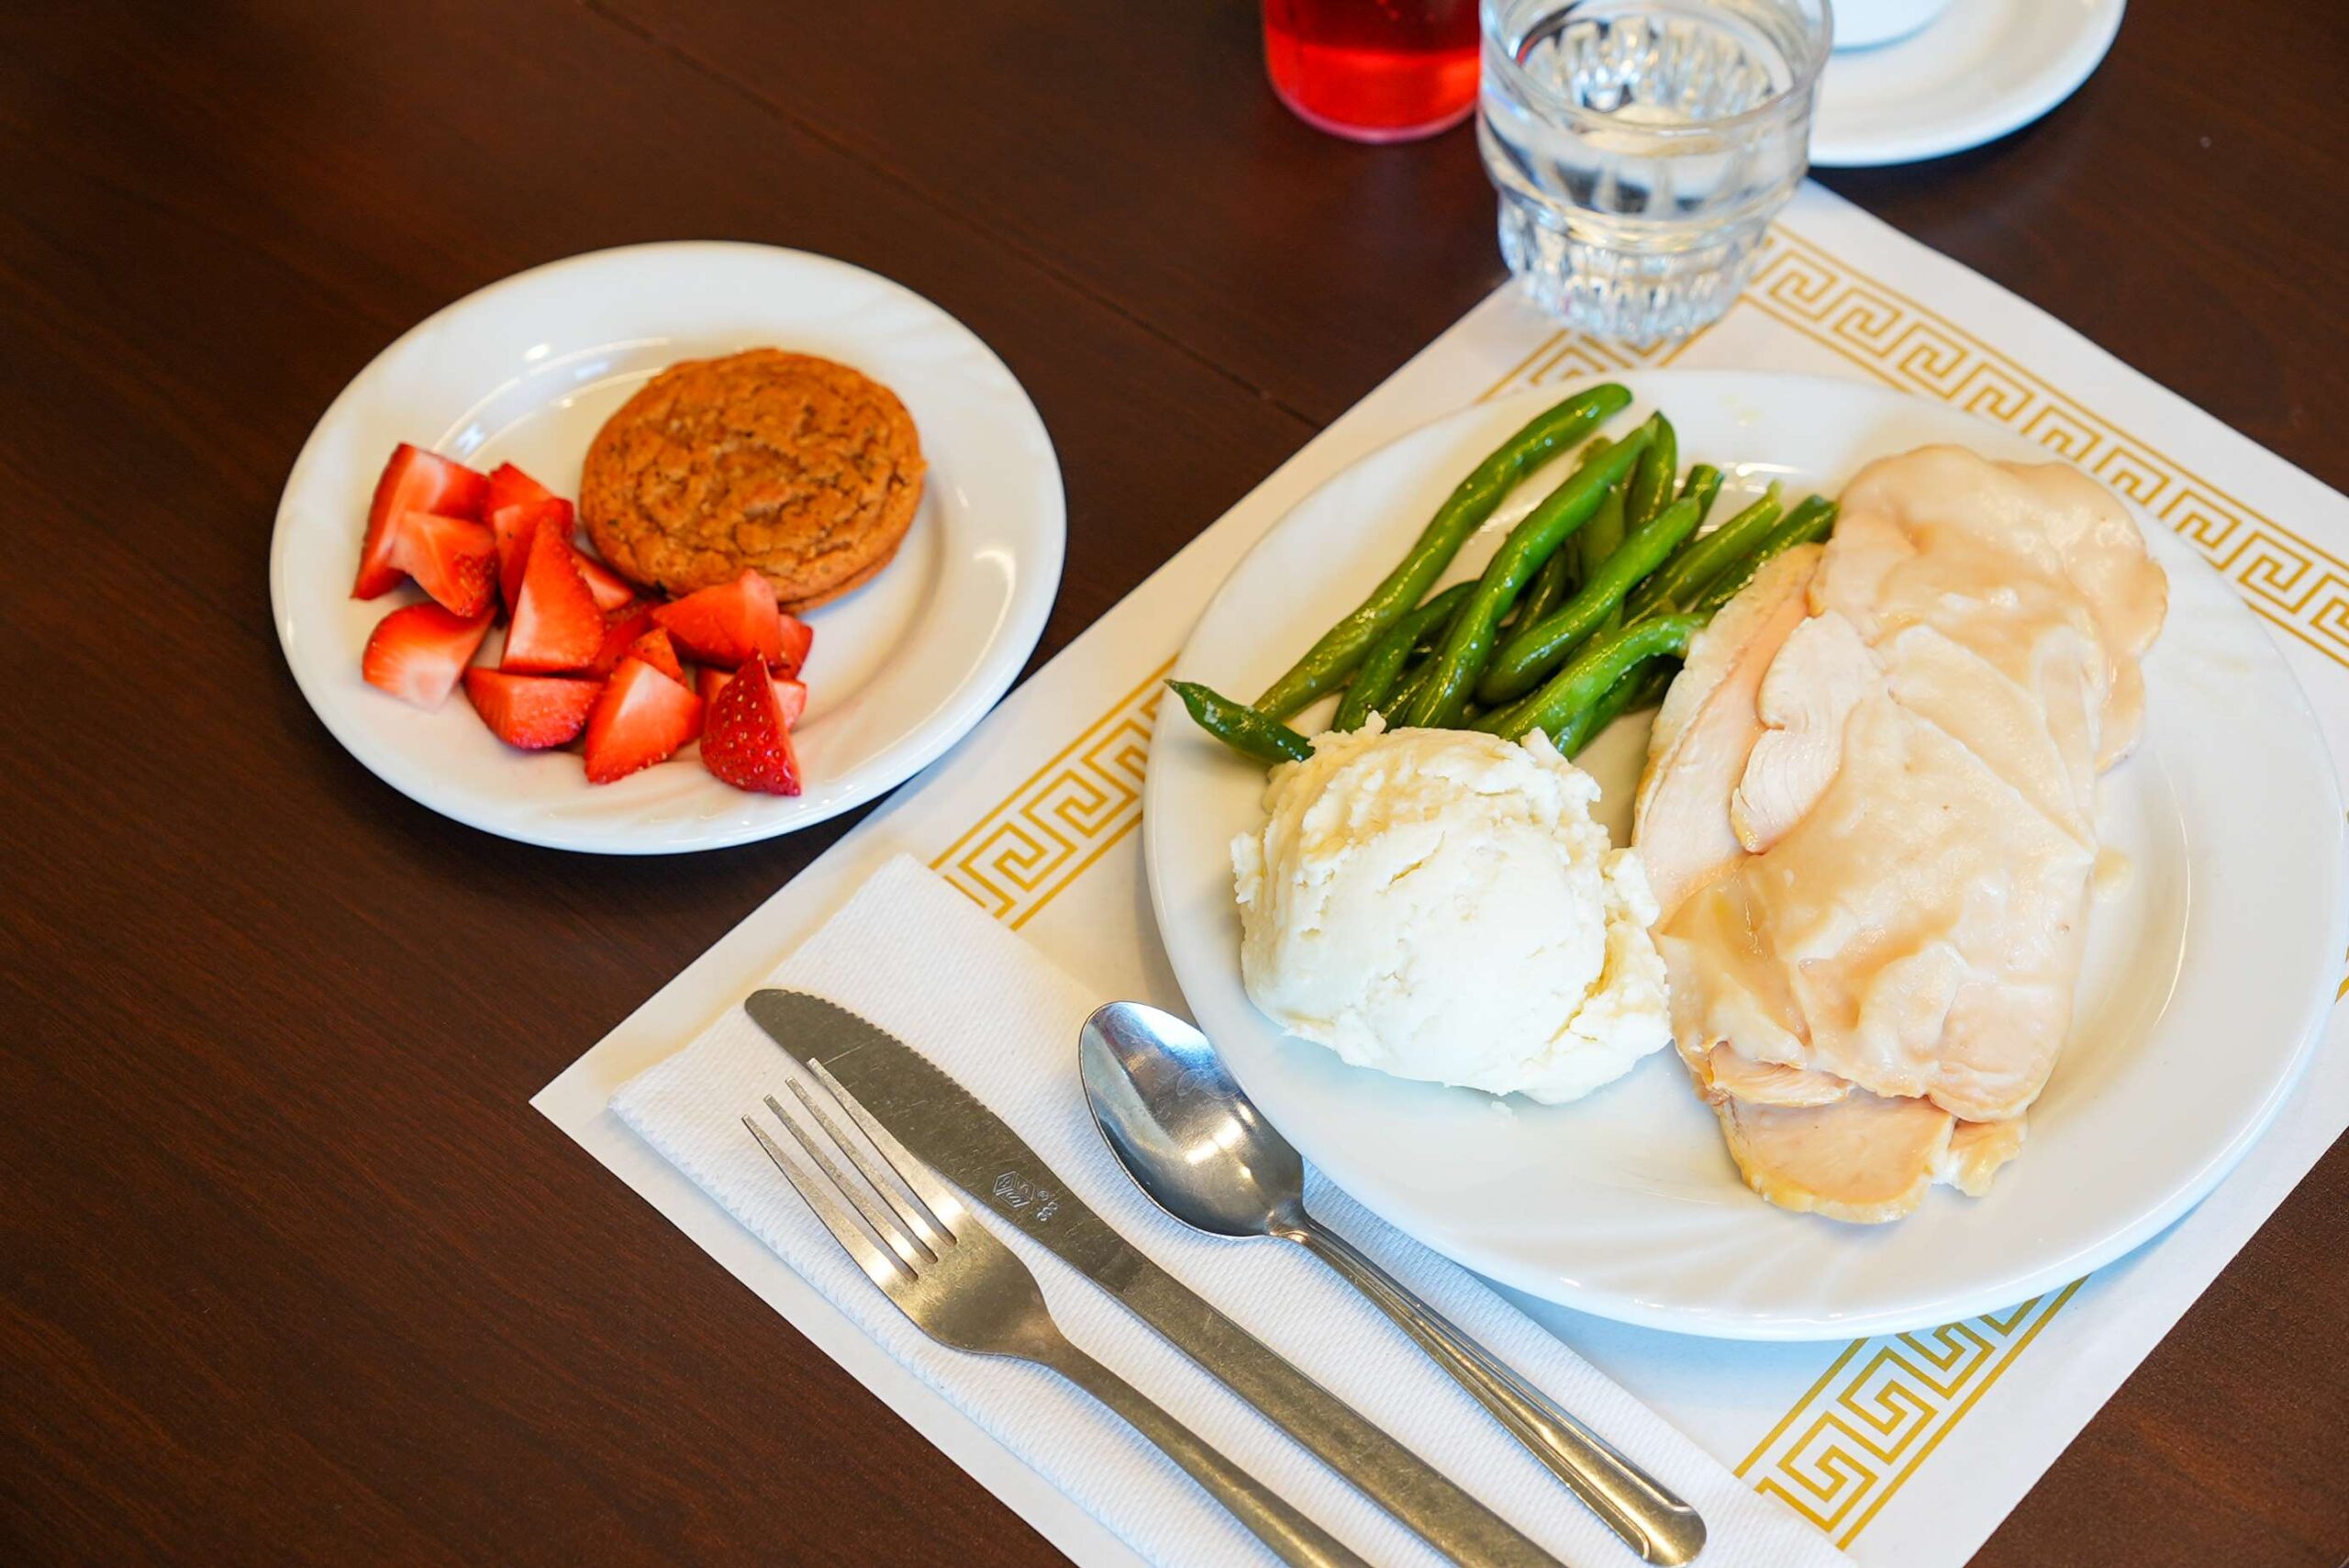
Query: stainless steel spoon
x: 1192, y: 1140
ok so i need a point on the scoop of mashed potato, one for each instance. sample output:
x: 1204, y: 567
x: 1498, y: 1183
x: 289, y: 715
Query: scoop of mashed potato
x: 1439, y: 905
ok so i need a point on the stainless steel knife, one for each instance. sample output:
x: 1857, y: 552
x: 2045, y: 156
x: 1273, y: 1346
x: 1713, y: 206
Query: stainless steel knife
x: 970, y: 1146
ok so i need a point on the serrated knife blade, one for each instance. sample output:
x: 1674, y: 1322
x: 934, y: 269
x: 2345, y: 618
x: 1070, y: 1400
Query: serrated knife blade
x: 973, y: 1148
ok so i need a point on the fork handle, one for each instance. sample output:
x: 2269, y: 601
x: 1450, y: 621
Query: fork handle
x: 1294, y: 1539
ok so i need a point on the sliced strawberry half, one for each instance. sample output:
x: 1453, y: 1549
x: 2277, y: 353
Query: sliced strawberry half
x: 793, y: 696
x: 452, y: 558
x: 796, y: 638
x: 417, y: 652
x: 655, y: 649
x: 621, y: 629
x: 710, y: 681
x: 745, y: 740
x: 556, y: 624
x: 513, y: 524
x: 611, y: 589
x: 509, y: 486
x: 531, y: 711
x: 641, y: 718
x: 731, y: 624
x: 413, y: 481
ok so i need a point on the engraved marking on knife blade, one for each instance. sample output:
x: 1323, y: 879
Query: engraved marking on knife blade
x: 1029, y: 1202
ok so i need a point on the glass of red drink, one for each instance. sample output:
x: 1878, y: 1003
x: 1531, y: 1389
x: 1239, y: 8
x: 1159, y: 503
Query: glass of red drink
x: 1373, y: 70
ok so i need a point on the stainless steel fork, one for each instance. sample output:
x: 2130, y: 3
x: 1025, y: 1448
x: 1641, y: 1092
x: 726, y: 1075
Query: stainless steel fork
x: 964, y: 1289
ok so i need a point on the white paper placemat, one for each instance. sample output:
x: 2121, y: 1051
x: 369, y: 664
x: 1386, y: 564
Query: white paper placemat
x: 910, y: 954
x: 1906, y: 1449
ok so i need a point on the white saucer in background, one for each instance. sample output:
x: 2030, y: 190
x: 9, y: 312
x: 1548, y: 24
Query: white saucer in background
x: 1979, y: 70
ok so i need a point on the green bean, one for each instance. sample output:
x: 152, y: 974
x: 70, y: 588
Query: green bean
x: 1551, y: 587
x: 1375, y: 680
x: 1247, y: 730
x: 1650, y: 489
x: 1807, y: 524
x: 1603, y: 535
x: 1644, y: 687
x: 1565, y: 565
x: 1584, y: 682
x: 1704, y: 483
x: 1686, y: 574
x: 1399, y: 702
x: 1538, y: 650
x: 1468, y: 644
x: 1472, y: 501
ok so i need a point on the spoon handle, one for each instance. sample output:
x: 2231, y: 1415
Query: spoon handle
x: 1653, y: 1521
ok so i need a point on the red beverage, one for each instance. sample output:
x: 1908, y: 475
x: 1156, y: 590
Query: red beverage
x: 1373, y: 70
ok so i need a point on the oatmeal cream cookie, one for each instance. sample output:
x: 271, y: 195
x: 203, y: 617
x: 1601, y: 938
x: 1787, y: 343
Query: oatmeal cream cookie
x: 805, y: 469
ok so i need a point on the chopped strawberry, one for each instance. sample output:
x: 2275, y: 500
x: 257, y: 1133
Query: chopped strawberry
x: 611, y: 589
x: 731, y: 624
x: 793, y: 696
x: 641, y: 718
x: 622, y: 628
x: 452, y: 558
x: 513, y: 524
x: 655, y: 649
x: 798, y: 637
x: 417, y: 652
x: 509, y: 486
x: 531, y: 711
x: 746, y: 741
x: 556, y: 624
x: 709, y: 680
x: 413, y: 481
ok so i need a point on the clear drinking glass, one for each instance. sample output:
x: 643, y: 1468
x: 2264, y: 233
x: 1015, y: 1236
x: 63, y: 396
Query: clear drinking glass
x: 1641, y: 147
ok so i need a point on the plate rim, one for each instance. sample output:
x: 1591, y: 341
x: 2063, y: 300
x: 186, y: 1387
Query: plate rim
x: 2005, y: 114
x: 1745, y: 1326
x: 1028, y: 604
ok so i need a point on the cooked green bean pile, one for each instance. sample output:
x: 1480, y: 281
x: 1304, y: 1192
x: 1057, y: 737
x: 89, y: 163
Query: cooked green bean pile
x: 1580, y: 616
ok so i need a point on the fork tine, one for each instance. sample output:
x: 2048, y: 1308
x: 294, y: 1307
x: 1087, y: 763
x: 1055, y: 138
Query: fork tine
x: 923, y: 1182
x: 930, y: 1227
x: 910, y: 1249
x: 882, y: 1266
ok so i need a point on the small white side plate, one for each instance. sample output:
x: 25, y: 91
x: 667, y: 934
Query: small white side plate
x: 1979, y: 70
x: 527, y: 370
x: 2208, y: 974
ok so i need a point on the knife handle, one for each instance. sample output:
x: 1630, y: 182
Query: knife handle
x: 1293, y: 1538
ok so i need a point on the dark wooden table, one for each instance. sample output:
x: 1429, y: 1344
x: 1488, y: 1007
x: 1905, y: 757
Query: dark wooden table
x: 291, y: 1271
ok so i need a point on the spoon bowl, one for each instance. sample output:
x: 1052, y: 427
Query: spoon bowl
x: 1182, y: 1128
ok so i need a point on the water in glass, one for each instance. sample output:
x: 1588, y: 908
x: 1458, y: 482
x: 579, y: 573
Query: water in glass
x: 1641, y: 147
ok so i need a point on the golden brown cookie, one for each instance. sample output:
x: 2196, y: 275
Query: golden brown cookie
x: 803, y: 468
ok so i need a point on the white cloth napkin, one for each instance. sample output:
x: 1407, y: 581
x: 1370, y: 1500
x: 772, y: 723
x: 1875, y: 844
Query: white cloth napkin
x: 915, y: 957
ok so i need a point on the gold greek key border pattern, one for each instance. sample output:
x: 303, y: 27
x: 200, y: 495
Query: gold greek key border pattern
x: 1564, y: 356
x: 1068, y: 813
x: 2289, y: 579
x: 1881, y: 1407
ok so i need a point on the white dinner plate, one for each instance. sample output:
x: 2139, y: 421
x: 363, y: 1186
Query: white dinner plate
x: 527, y: 370
x: 1979, y: 70
x: 2207, y: 974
